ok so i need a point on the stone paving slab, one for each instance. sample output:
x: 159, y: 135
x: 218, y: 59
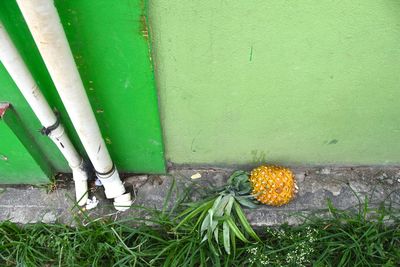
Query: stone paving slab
x: 29, y: 204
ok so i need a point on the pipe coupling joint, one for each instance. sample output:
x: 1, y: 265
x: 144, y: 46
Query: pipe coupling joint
x: 113, y: 186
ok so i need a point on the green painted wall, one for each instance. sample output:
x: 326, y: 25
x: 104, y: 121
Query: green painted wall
x: 296, y: 82
x: 16, y: 164
x: 20, y: 157
x: 111, y: 48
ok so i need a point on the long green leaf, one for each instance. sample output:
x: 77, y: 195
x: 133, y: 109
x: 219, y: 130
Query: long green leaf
x: 195, y: 205
x: 226, y: 237
x: 236, y: 230
x: 216, y: 202
x: 218, y: 212
x: 246, y: 202
x: 196, y: 211
x: 228, y: 207
x: 211, y: 217
x: 204, y: 238
x: 205, y: 224
x: 210, y: 244
x: 200, y: 219
x: 245, y: 222
x: 233, y: 241
x: 221, y: 206
x: 216, y: 232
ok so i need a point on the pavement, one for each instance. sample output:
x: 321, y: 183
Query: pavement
x: 343, y: 186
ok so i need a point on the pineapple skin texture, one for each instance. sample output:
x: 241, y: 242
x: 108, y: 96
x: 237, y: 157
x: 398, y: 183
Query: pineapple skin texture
x: 273, y: 185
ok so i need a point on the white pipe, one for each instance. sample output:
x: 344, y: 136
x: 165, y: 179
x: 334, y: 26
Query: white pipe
x: 44, y: 23
x: 17, y: 69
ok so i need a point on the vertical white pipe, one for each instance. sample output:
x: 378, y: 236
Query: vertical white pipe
x: 17, y: 69
x: 44, y: 23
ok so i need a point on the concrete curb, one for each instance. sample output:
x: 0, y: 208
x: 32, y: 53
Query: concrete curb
x: 28, y: 204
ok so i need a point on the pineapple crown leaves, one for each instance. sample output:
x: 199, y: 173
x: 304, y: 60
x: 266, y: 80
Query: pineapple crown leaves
x: 221, y: 213
x: 239, y: 183
x: 239, y: 186
x: 224, y: 210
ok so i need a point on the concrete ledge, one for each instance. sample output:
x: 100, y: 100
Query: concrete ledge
x: 27, y: 204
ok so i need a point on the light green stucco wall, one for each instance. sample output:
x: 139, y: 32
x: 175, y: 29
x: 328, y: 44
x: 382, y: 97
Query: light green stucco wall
x: 295, y: 82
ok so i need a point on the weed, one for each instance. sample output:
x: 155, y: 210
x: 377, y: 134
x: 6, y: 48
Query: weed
x: 367, y: 237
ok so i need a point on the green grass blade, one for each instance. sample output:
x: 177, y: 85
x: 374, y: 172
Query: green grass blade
x: 168, y: 197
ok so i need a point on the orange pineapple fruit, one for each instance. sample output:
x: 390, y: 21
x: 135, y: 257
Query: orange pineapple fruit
x: 273, y: 185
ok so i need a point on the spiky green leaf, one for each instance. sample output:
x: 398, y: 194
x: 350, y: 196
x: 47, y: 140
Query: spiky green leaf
x: 219, y: 210
x: 228, y: 207
x: 245, y: 223
x: 194, y: 212
x: 246, y: 202
x: 216, y: 202
x: 236, y: 230
x: 205, y: 223
x: 226, y: 237
x: 216, y: 232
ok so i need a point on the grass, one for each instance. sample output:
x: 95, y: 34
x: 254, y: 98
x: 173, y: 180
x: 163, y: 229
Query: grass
x: 367, y: 237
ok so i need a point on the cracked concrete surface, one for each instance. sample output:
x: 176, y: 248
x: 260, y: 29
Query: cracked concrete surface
x: 28, y: 204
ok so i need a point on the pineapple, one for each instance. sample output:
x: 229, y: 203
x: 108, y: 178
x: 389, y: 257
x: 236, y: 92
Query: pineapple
x: 273, y: 185
x: 269, y: 185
